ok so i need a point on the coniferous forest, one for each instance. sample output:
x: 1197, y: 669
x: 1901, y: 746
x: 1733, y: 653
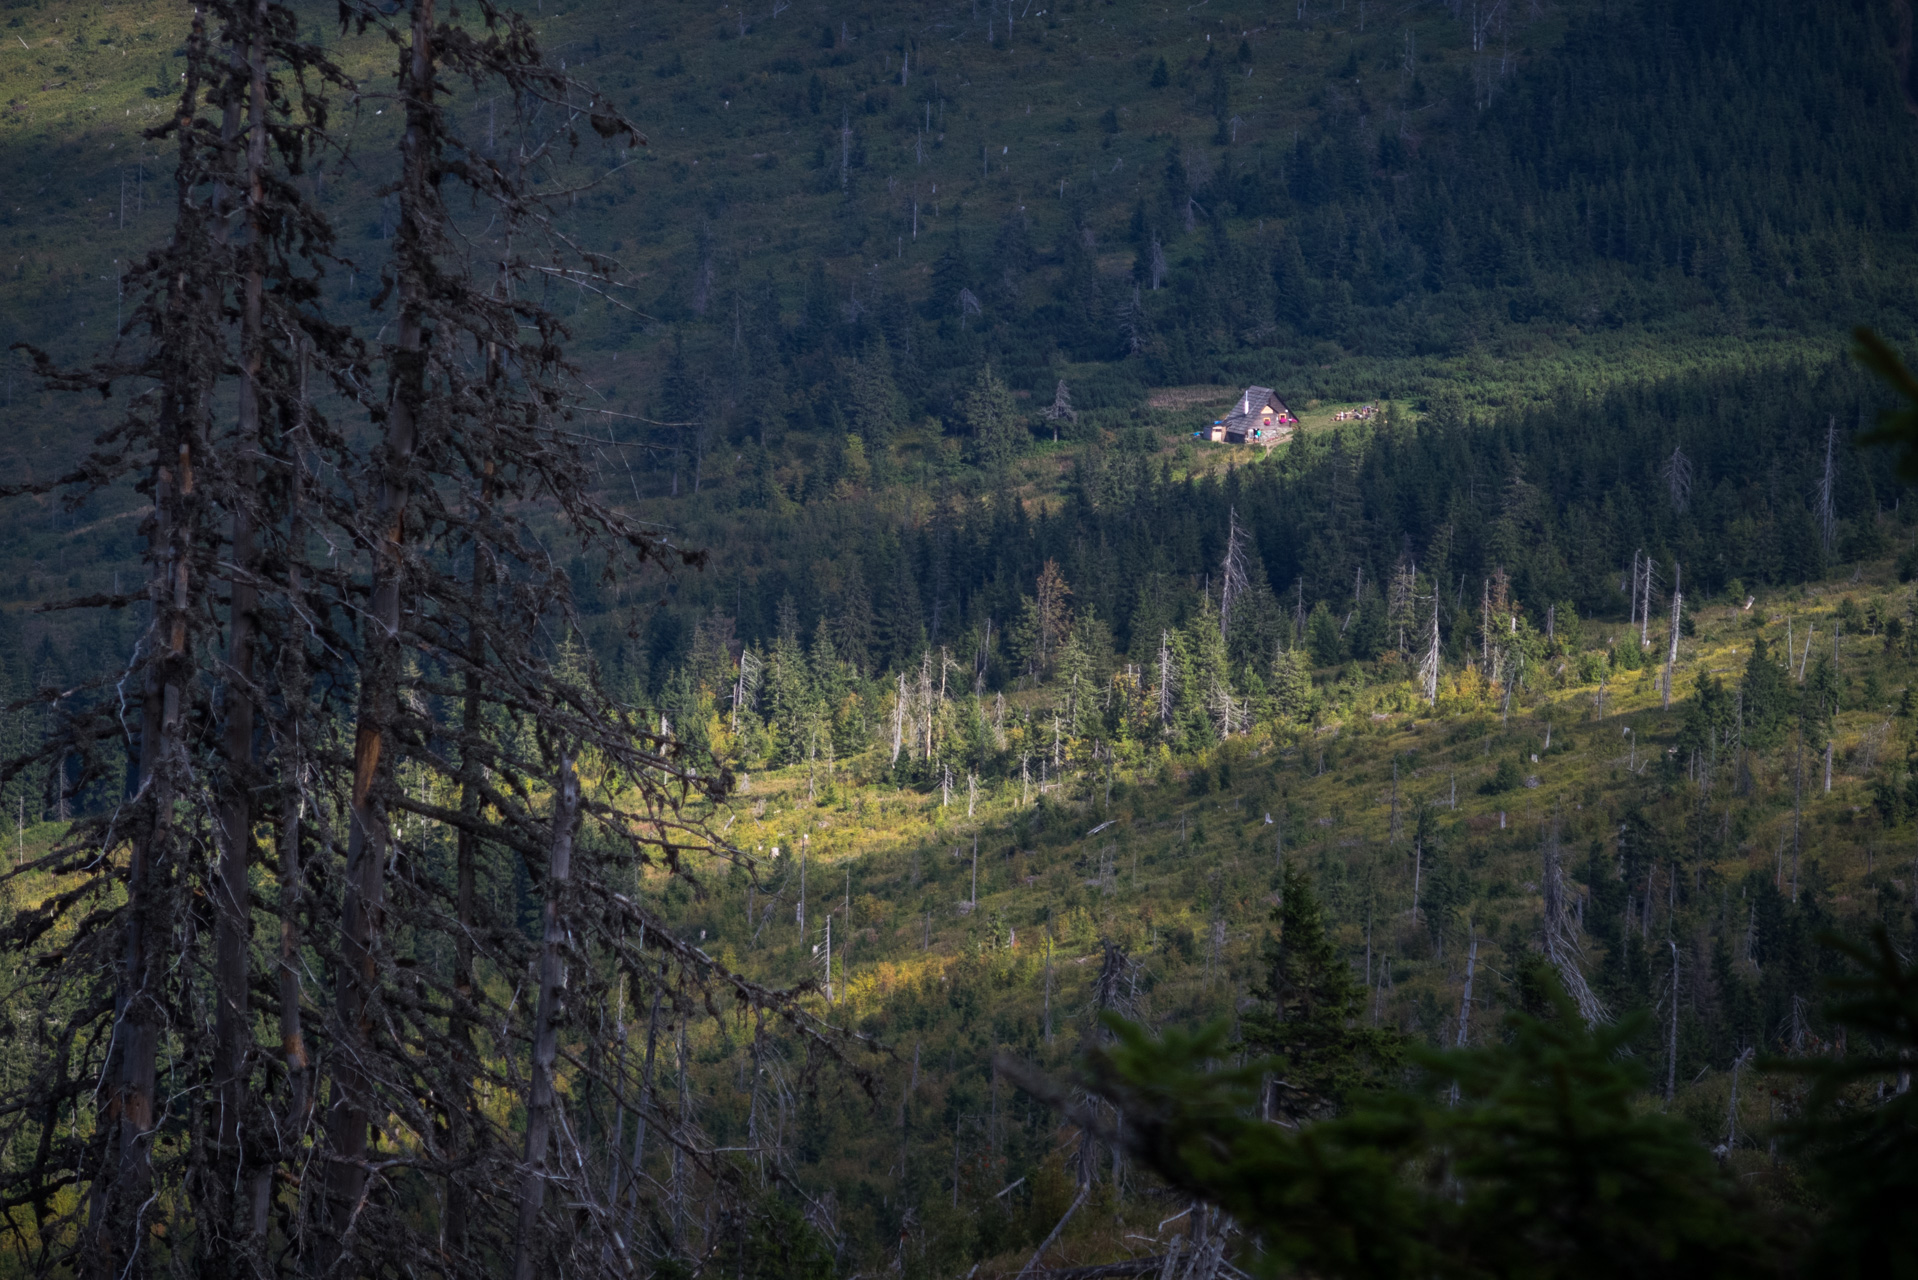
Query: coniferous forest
x: 627, y: 648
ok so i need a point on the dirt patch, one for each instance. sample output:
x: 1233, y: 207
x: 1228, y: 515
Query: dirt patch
x: 1188, y: 397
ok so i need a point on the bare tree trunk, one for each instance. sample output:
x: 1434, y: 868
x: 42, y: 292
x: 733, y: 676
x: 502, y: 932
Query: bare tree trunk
x: 1232, y: 575
x: 119, y: 1190
x: 543, y: 1101
x: 1394, y: 830
x: 1645, y: 608
x: 679, y: 1185
x: 117, y: 1197
x: 1165, y: 679
x: 1671, y: 1039
x: 1731, y: 1120
x: 1429, y: 668
x: 233, y: 1021
x: 1048, y: 1028
x: 755, y: 1127
x: 1634, y: 608
x: 1797, y: 809
x: 1085, y: 1188
x: 644, y: 1111
x: 1368, y: 942
x: 466, y: 877
x: 1827, y: 490
x: 293, y: 1051
x: 363, y: 901
x: 1561, y: 933
x: 1418, y: 859
x: 612, y: 1247
x: 292, y: 811
x: 1465, y: 998
x: 899, y: 718
x: 1485, y: 630
x: 1671, y: 652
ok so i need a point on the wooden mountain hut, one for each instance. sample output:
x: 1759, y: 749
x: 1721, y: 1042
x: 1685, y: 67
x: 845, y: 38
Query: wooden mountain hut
x: 1258, y: 417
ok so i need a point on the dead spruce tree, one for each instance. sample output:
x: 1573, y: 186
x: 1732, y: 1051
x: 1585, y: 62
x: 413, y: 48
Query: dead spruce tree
x: 354, y: 679
x: 133, y: 883
x: 547, y: 767
x: 1558, y: 931
x: 1233, y: 582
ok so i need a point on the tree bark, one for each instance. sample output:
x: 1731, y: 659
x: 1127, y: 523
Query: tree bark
x: 645, y: 1109
x: 543, y: 1100
x: 118, y: 1196
x: 291, y: 747
x: 466, y: 879
x: 1465, y: 998
x: 363, y: 900
x: 121, y: 1186
x: 233, y: 1022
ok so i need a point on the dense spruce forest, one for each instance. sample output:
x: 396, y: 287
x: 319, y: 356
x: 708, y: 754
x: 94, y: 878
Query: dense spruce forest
x: 1716, y: 477
x: 623, y: 651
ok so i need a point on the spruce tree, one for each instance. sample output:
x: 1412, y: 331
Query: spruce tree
x: 876, y: 408
x: 1767, y: 698
x: 1528, y: 1157
x: 992, y: 419
x: 1322, y: 637
x: 1310, y: 1011
x: 1291, y: 685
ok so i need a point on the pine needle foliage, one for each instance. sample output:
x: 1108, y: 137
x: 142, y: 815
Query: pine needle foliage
x: 1310, y: 1015
x: 1545, y: 1164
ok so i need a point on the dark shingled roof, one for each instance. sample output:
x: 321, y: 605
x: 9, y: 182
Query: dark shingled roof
x: 1254, y: 402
